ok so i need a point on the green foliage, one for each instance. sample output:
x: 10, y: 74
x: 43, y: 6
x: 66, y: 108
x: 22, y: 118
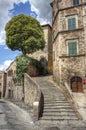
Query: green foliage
x: 22, y: 64
x: 24, y: 33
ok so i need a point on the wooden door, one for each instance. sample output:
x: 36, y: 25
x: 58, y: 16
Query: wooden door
x: 76, y: 84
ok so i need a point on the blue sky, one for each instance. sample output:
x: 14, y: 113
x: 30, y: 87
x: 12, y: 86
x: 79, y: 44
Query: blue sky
x: 8, y: 9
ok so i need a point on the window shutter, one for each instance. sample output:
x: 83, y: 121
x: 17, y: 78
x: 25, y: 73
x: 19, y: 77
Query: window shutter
x: 72, y: 48
x: 71, y: 23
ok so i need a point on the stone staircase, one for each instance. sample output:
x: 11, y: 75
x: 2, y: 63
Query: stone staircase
x: 57, y: 109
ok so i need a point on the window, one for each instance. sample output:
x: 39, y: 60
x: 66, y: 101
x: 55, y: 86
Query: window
x: 72, y: 48
x: 75, y: 2
x: 71, y: 23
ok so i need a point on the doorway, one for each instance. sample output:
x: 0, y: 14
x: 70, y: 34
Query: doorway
x: 76, y: 84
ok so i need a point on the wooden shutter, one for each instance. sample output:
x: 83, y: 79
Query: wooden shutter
x: 71, y: 23
x: 72, y: 48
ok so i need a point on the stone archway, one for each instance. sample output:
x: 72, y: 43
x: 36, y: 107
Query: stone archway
x: 76, y: 84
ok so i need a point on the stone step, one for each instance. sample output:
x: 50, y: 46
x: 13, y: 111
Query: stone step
x: 53, y: 95
x: 59, y: 118
x: 59, y: 114
x: 56, y: 104
x: 57, y: 122
x: 55, y: 99
x: 57, y: 107
x: 58, y: 110
x: 52, y: 102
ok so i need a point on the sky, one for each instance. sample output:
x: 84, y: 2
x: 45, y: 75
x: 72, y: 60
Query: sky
x: 39, y: 9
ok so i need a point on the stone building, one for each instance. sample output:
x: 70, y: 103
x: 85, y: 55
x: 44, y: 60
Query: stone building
x: 11, y: 75
x: 46, y: 54
x: 2, y: 84
x: 69, y: 43
x: 14, y: 89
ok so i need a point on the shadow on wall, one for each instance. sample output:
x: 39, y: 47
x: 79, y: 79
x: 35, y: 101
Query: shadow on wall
x: 44, y: 66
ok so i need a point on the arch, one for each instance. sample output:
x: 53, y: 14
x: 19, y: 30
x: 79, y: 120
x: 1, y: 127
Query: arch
x: 76, y: 84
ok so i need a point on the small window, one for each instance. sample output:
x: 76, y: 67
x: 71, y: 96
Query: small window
x: 75, y: 2
x: 71, y: 23
x: 72, y: 48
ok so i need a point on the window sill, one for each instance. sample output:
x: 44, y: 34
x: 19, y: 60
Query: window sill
x: 65, y: 56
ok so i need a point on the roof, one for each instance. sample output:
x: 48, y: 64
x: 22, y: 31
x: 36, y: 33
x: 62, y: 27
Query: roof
x: 10, y: 65
x: 47, y: 25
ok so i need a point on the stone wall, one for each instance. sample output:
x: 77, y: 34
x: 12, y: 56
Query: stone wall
x: 18, y: 93
x: 33, y: 95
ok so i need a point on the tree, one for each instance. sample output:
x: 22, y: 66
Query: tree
x: 24, y: 33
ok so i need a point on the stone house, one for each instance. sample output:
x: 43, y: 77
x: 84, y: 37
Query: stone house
x: 14, y: 89
x: 69, y: 43
x: 46, y: 55
x: 2, y: 84
x: 11, y: 79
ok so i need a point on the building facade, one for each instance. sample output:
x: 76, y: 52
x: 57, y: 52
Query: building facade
x: 2, y: 84
x: 11, y: 75
x: 46, y: 54
x: 69, y: 43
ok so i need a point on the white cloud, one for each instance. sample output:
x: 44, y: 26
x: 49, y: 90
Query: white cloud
x: 43, y: 9
x: 5, y: 65
x: 2, y: 37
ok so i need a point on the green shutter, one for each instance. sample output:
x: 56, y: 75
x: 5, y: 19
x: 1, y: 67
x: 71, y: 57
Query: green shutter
x: 71, y: 23
x: 72, y: 48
